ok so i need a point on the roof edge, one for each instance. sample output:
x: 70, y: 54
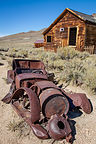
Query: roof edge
x: 59, y: 17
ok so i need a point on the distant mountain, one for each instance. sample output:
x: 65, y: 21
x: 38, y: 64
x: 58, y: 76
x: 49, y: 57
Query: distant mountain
x: 30, y: 36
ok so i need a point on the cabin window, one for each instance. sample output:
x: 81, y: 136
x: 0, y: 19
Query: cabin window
x: 49, y: 38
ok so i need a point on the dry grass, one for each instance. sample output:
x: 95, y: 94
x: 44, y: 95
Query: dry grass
x: 69, y: 65
x: 77, y: 68
x: 21, y: 128
x: 4, y: 49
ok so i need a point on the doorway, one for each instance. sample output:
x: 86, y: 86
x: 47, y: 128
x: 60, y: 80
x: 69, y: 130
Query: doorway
x: 72, y: 36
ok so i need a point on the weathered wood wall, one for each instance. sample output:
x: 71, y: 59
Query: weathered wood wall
x: 60, y: 39
x: 90, y: 35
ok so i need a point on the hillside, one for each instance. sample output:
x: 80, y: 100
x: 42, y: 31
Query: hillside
x: 21, y: 40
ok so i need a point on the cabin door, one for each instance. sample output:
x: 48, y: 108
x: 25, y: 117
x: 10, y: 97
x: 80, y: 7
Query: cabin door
x: 72, y: 36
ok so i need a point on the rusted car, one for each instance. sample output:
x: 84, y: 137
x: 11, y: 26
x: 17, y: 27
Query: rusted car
x: 38, y: 100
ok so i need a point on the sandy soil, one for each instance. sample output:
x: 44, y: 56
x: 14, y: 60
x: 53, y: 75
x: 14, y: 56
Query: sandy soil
x: 85, y: 125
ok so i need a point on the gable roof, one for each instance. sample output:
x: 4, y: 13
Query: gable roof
x: 86, y: 17
x: 82, y: 16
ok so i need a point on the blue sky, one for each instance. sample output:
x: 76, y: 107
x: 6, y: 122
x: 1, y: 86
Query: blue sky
x: 25, y: 15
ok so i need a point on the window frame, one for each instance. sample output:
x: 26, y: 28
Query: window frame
x: 62, y: 29
x: 47, y: 38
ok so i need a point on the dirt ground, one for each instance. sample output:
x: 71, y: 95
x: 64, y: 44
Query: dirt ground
x: 84, y: 125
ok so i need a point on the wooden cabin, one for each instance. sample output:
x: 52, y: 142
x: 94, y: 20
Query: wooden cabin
x: 39, y: 43
x: 71, y: 28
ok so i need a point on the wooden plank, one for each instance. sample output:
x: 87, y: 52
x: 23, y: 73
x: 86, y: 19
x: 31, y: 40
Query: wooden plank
x: 90, y: 35
x: 90, y: 49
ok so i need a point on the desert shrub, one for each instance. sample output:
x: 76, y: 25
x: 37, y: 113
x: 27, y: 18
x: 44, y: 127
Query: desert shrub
x: 1, y: 64
x: 59, y: 64
x: 17, y: 54
x: 1, y: 54
x: 22, y: 53
x: 52, y: 56
x: 9, y: 60
x: 35, y: 53
x: 90, y: 61
x: 43, y: 56
x: 69, y: 65
x: 11, y: 53
x: 66, y: 53
x: 80, y: 72
x: 90, y: 73
x: 90, y: 78
x: 50, y: 65
x: 73, y: 71
x: 82, y: 55
x: 4, y: 49
x: 3, y: 57
x: 47, y: 57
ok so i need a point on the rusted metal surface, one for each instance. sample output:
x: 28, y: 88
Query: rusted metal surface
x: 53, y: 102
x: 25, y: 63
x: 35, y: 98
x: 28, y: 76
x: 58, y: 127
x: 20, y: 66
x: 27, y: 102
x: 45, y: 84
x: 80, y: 100
x: 7, y: 98
x: 10, y: 76
x: 39, y: 131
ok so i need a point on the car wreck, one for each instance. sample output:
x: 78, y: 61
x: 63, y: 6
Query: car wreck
x: 37, y: 99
